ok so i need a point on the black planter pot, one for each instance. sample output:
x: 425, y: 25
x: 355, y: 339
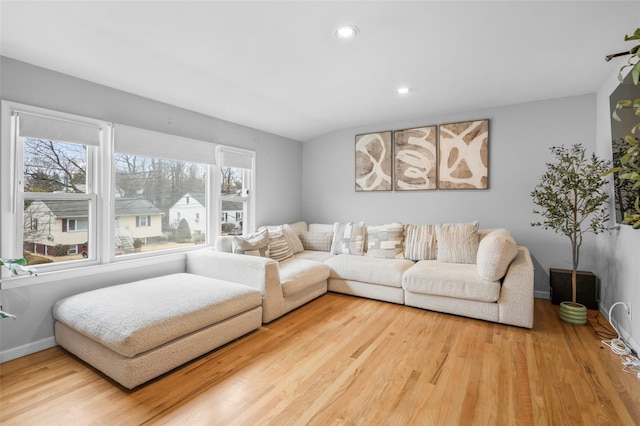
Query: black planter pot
x: 586, y: 287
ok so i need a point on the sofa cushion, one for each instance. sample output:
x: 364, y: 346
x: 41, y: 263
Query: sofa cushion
x: 348, y: 238
x: 254, y: 245
x: 318, y: 241
x: 495, y: 253
x: 133, y: 318
x: 385, y: 241
x: 387, y: 272
x: 299, y: 274
x: 459, y: 281
x: 420, y: 242
x: 457, y: 242
x: 317, y: 256
x: 321, y: 227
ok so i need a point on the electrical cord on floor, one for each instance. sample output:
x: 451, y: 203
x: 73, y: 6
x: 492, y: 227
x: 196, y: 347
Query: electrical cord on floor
x: 628, y: 358
x: 607, y: 333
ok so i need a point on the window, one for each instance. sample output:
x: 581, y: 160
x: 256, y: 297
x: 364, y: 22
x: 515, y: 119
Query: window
x: 236, y: 197
x: 161, y: 184
x: 49, y: 172
x: 85, y: 191
x: 73, y: 225
x: 143, y: 221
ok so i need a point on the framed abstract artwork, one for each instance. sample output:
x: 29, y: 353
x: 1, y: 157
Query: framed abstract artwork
x: 415, y: 159
x: 463, y: 161
x: 374, y: 162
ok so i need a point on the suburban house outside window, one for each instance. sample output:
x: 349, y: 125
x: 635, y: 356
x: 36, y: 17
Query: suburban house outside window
x: 49, y: 176
x: 236, y: 197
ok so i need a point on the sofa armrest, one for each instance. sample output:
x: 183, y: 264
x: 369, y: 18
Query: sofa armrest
x: 516, y: 296
x: 254, y: 271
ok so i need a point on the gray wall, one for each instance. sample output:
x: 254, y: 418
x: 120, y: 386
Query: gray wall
x: 278, y: 182
x: 520, y: 138
x: 278, y: 159
x: 618, y: 251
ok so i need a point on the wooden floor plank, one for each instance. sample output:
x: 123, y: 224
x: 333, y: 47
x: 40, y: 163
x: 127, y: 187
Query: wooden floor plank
x: 342, y: 360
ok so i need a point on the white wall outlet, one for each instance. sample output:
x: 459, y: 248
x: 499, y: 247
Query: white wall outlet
x: 629, y: 310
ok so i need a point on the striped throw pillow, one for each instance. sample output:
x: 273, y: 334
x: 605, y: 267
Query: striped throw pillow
x: 420, y: 242
x: 279, y: 248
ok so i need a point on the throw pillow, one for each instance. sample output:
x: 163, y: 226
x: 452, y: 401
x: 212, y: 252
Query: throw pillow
x: 279, y: 248
x: 495, y: 253
x: 348, y: 238
x: 253, y: 245
x: 385, y: 241
x: 289, y: 234
x: 318, y: 241
x: 420, y: 242
x: 457, y: 242
x: 292, y: 234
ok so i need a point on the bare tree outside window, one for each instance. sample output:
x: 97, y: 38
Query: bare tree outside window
x: 51, y: 166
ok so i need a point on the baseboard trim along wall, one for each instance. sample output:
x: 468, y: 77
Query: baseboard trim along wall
x: 29, y: 348
x: 541, y: 294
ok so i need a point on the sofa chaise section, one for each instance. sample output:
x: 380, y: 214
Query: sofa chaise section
x: 137, y: 331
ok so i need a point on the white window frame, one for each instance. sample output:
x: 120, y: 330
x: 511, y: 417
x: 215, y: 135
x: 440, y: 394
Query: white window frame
x: 12, y: 183
x: 100, y: 195
x: 248, y: 190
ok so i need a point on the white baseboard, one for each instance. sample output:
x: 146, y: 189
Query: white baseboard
x: 541, y: 294
x: 29, y: 348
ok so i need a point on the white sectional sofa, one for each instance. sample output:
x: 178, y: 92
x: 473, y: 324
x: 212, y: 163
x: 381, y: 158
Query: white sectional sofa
x: 130, y: 332
x: 475, y: 273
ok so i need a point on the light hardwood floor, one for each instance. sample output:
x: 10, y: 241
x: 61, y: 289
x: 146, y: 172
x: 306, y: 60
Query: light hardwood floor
x: 347, y: 360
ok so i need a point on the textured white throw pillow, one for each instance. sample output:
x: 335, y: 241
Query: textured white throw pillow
x: 292, y: 233
x: 457, y: 242
x: 495, y: 253
x: 253, y: 245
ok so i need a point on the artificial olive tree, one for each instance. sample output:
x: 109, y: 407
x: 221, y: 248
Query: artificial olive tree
x: 571, y: 198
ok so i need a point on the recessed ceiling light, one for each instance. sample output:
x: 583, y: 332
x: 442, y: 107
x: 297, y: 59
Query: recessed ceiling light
x: 347, y: 31
x: 403, y: 90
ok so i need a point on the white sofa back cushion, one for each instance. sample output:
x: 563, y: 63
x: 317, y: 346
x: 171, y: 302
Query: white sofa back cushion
x: 321, y: 227
x: 495, y: 253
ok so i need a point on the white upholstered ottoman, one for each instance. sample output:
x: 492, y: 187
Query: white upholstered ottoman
x: 137, y: 331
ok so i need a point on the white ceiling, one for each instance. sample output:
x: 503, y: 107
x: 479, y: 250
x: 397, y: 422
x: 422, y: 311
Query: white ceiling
x: 276, y: 66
